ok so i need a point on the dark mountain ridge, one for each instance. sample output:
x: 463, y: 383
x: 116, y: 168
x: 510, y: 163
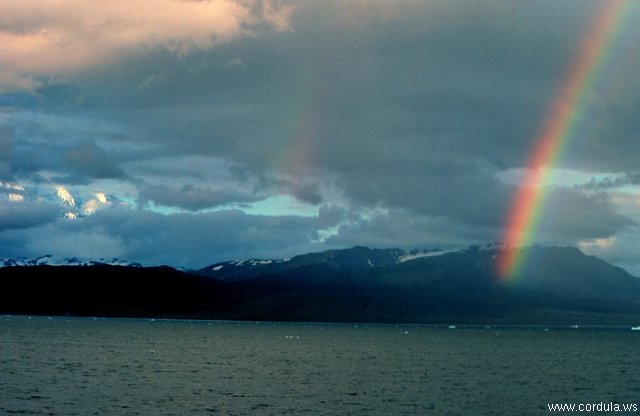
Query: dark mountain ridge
x: 559, y: 285
x: 356, y: 259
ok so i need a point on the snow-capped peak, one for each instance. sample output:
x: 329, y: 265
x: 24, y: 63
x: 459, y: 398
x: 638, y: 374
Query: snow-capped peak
x: 49, y: 260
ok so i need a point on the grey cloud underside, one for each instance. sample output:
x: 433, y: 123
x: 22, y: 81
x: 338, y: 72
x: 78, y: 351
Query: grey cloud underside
x: 192, y: 198
x: 88, y: 159
x: 6, y: 152
x: 571, y: 215
x: 180, y: 239
x: 30, y: 146
x: 26, y: 214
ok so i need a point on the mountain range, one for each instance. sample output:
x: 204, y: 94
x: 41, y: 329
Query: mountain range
x: 49, y: 260
x: 560, y: 285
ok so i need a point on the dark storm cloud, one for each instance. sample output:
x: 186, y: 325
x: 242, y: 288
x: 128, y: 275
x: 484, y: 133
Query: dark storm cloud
x: 190, y: 197
x: 571, y: 215
x: 385, y: 230
x: 88, y: 159
x: 58, y: 146
x: 6, y: 152
x: 308, y: 193
x: 462, y: 192
x: 26, y: 214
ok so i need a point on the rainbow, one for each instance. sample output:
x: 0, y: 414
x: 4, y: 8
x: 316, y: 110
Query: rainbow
x: 557, y: 130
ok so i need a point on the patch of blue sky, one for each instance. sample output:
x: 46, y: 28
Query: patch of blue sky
x: 281, y: 205
x: 274, y: 206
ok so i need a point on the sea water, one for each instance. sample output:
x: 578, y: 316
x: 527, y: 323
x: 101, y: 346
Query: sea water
x: 72, y: 366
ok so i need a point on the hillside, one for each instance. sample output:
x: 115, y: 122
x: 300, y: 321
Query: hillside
x: 562, y: 285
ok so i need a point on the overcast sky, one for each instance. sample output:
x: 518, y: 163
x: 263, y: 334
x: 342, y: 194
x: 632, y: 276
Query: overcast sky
x: 188, y: 132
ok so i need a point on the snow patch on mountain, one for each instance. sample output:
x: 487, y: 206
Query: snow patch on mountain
x: 49, y: 260
x: 416, y: 254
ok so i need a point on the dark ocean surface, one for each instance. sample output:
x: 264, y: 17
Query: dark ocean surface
x: 73, y: 366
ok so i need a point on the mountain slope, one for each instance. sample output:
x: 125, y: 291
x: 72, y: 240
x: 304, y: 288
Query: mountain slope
x: 562, y: 285
x: 558, y: 271
x: 356, y: 259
